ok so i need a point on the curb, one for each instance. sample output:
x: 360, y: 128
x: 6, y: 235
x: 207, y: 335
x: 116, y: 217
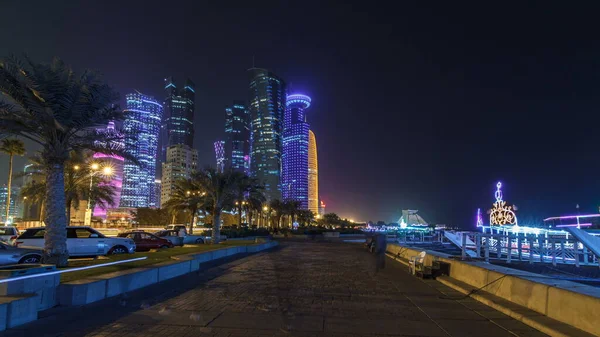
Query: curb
x: 538, y: 321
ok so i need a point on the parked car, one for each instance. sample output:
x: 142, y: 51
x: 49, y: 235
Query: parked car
x: 14, y: 255
x: 145, y: 241
x: 8, y: 233
x: 175, y: 227
x: 175, y: 238
x: 81, y: 241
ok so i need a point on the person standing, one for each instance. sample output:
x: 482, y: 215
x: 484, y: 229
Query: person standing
x: 380, y: 248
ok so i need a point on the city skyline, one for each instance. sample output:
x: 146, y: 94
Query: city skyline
x: 417, y: 107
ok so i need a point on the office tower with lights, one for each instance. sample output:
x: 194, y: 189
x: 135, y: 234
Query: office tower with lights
x: 115, y: 163
x: 178, y: 120
x: 267, y: 97
x: 15, y: 206
x: 158, y: 191
x: 181, y: 162
x: 237, y: 145
x: 220, y: 155
x: 294, y: 159
x: 142, y: 127
x: 313, y: 174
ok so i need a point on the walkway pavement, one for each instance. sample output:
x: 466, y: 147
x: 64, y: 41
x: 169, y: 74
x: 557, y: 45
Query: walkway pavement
x: 303, y: 289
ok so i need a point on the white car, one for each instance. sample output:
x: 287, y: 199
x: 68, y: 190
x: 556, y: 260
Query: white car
x: 81, y: 241
x: 8, y: 234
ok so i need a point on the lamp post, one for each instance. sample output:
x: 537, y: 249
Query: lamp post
x: 94, y: 170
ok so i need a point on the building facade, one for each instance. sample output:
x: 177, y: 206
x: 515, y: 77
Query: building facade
x: 313, y: 174
x: 116, y: 164
x: 178, y: 120
x: 294, y: 175
x: 15, y: 205
x: 220, y: 155
x: 237, y: 131
x: 267, y: 97
x: 181, y: 162
x: 142, y: 127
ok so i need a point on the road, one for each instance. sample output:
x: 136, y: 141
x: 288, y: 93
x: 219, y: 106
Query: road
x: 301, y: 289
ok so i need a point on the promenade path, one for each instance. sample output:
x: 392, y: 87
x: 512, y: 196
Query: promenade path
x: 301, y: 289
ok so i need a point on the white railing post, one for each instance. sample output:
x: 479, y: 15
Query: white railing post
x: 576, y: 246
x: 520, y: 246
x: 464, y: 246
x: 509, y: 248
x: 487, y: 248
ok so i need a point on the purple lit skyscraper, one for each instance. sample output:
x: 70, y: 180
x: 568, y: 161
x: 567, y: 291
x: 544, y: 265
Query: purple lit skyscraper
x: 294, y: 175
x: 220, y: 155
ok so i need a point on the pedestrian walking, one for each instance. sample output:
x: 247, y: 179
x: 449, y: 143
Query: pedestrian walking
x: 380, y: 248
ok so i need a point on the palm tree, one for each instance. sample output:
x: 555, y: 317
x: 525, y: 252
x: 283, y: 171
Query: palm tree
x: 305, y: 217
x: 77, y: 183
x: 220, y: 188
x: 60, y: 111
x: 11, y: 147
x: 291, y: 208
x: 246, y: 188
x: 277, y: 206
x: 187, y: 196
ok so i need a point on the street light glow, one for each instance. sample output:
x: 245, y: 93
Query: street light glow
x: 76, y: 167
x: 95, y: 166
x: 107, y: 171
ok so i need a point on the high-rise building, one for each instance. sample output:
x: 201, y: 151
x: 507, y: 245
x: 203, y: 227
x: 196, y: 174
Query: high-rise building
x: 267, y: 106
x: 182, y: 160
x: 237, y: 130
x: 178, y: 120
x: 116, y: 164
x: 294, y: 175
x: 15, y: 206
x: 322, y: 208
x: 313, y: 174
x: 220, y: 155
x: 142, y: 127
x: 158, y: 191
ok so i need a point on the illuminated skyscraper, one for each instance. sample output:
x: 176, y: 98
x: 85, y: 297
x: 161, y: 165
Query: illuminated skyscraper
x: 237, y: 145
x: 142, y: 127
x: 178, y: 120
x: 313, y: 174
x: 267, y: 107
x: 182, y: 160
x: 294, y: 175
x: 220, y: 155
x: 116, y: 164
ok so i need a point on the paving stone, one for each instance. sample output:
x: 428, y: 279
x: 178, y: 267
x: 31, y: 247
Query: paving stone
x: 304, y: 289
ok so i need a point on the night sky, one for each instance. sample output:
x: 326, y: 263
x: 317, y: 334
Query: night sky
x: 422, y: 105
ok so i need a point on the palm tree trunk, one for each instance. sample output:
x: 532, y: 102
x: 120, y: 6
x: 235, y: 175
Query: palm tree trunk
x: 69, y: 201
x: 191, y: 231
x: 55, y: 246
x: 216, y: 230
x: 42, y: 211
x: 240, y: 216
x: 10, y: 169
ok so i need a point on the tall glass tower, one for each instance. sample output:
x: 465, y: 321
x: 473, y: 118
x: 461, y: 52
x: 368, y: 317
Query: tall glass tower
x: 267, y: 106
x: 294, y: 178
x: 313, y: 174
x: 141, y: 127
x: 178, y: 121
x: 116, y: 163
x: 237, y: 129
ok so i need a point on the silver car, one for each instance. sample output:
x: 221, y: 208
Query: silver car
x: 178, y: 240
x: 14, y: 255
x: 81, y: 241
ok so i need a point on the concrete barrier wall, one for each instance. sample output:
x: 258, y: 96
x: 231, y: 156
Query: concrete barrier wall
x: 568, y: 302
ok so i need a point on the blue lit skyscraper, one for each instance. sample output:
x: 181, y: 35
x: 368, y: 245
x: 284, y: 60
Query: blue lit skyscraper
x: 141, y: 127
x: 267, y: 106
x: 178, y: 120
x: 294, y: 175
x: 237, y: 129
